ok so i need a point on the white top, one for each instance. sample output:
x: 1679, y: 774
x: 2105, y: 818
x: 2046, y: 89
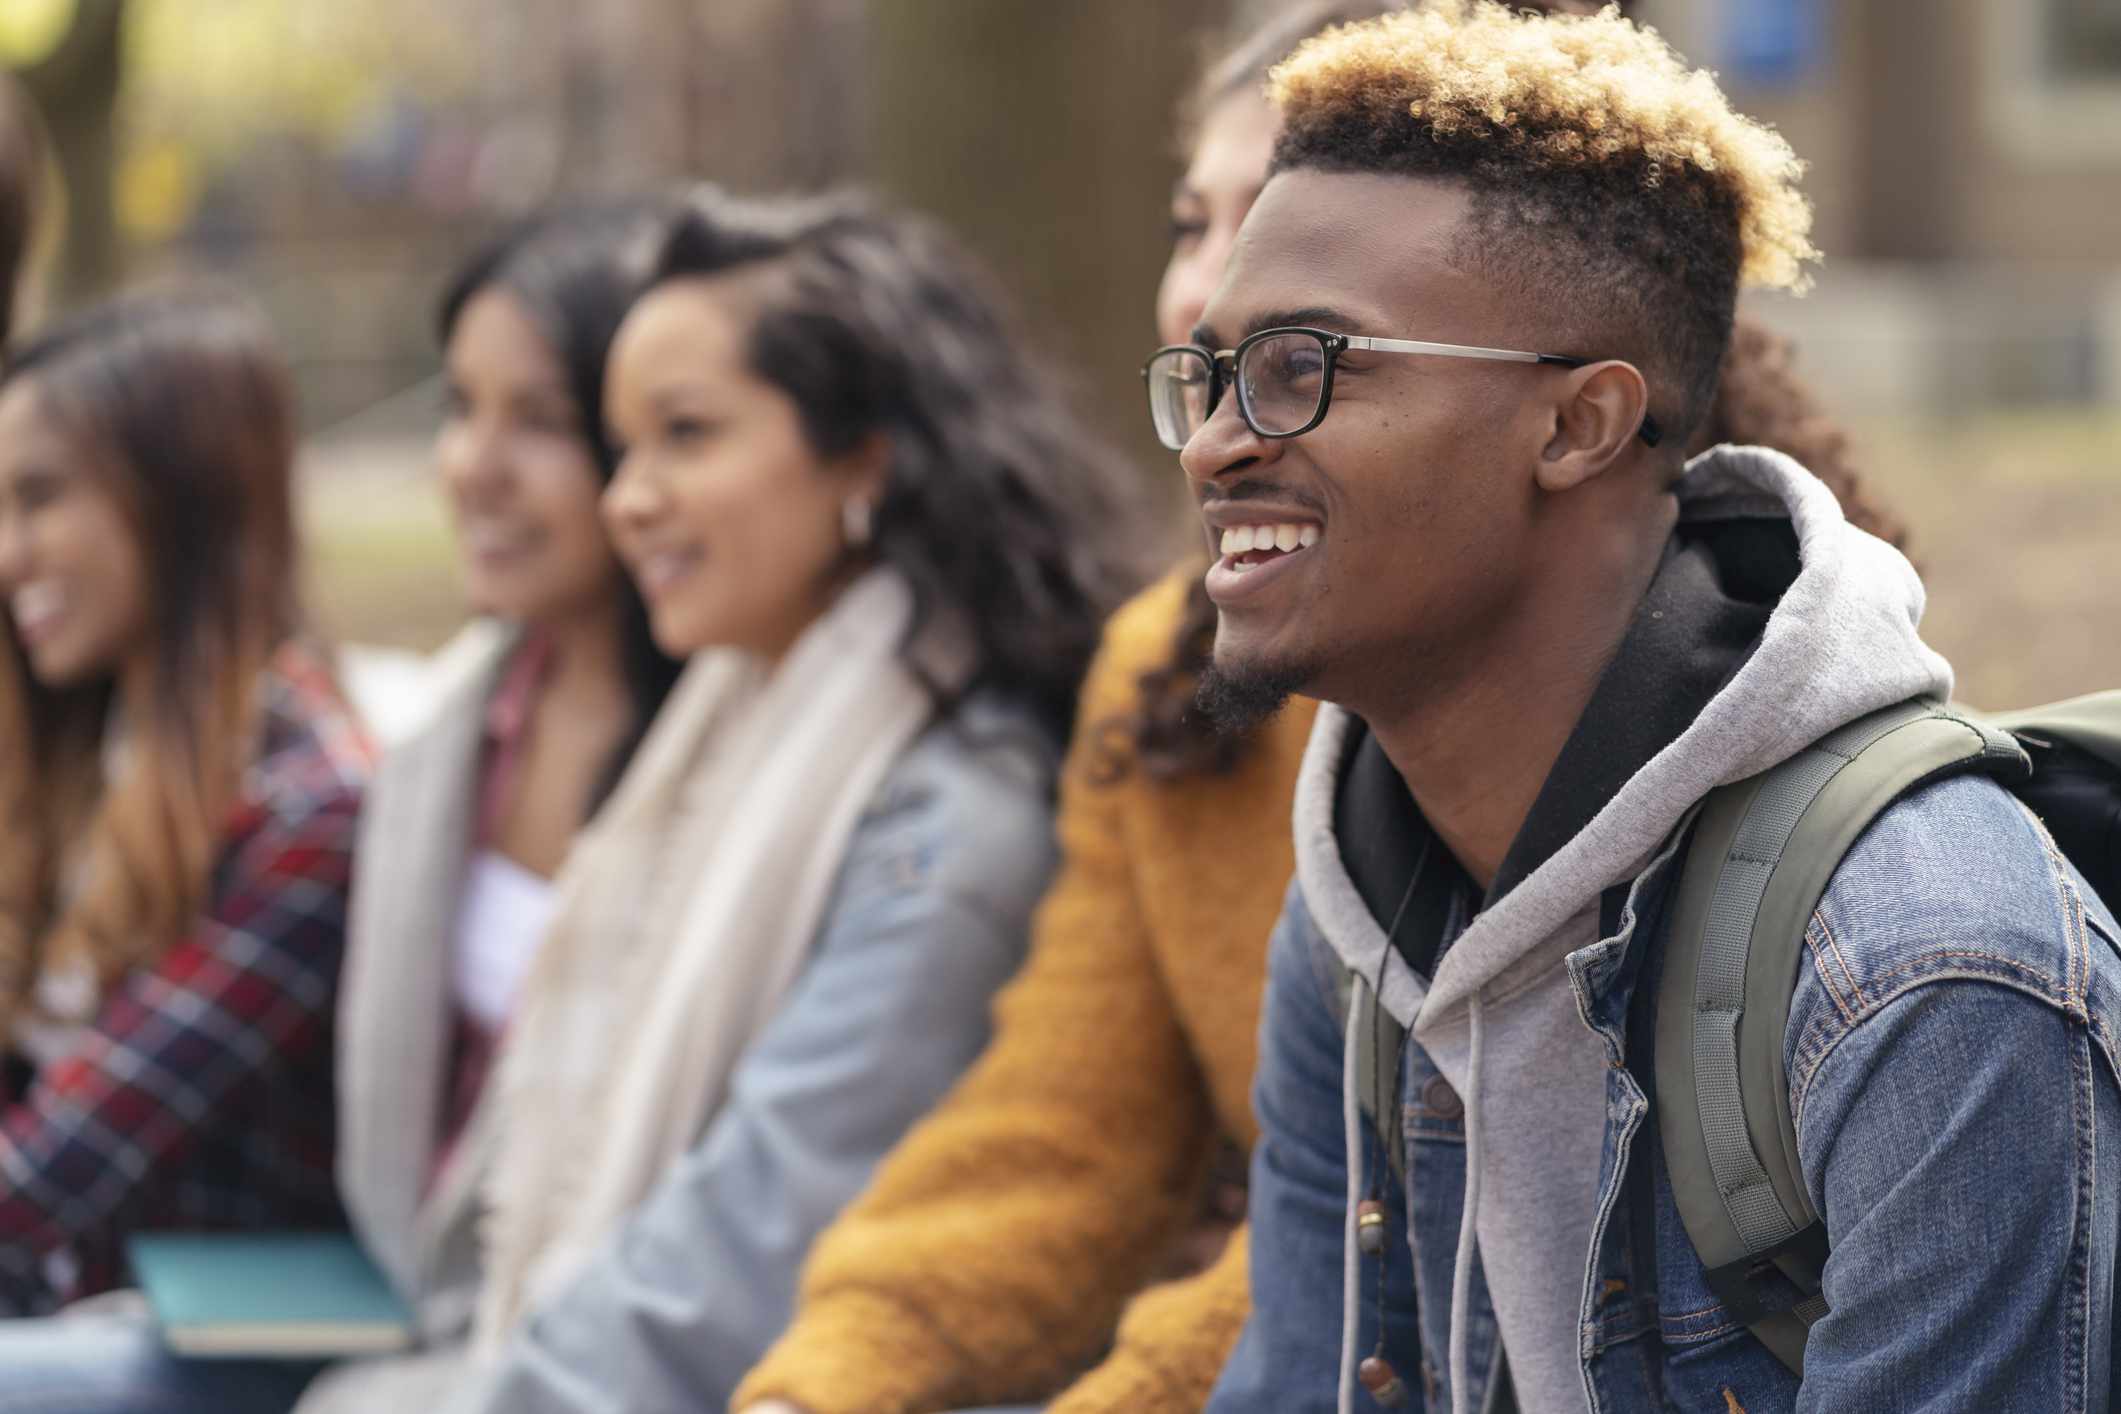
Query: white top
x: 500, y: 924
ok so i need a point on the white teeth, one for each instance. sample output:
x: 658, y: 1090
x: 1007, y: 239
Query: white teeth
x: 1285, y: 537
x: 659, y: 570
x: 34, y: 603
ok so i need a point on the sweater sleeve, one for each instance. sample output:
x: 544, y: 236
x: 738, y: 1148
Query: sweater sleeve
x: 1172, y: 1342
x: 990, y: 1259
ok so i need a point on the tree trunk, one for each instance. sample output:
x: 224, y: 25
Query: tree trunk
x: 76, y: 89
x: 1042, y: 133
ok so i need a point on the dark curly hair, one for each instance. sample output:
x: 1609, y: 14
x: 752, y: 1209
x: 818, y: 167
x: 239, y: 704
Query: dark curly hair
x: 1000, y: 507
x: 1762, y: 402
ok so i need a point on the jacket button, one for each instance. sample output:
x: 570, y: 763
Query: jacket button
x: 1439, y: 1099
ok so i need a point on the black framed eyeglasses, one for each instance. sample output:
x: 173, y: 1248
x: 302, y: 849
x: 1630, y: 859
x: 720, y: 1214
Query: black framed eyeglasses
x: 1284, y: 379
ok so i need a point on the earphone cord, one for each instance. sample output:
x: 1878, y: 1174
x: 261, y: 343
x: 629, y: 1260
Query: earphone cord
x: 1388, y: 1077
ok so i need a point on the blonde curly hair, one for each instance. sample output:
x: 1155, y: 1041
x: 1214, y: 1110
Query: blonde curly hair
x: 1598, y: 161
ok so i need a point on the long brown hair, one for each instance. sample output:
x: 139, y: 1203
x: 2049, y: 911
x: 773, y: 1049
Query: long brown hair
x: 1759, y: 400
x: 182, y: 411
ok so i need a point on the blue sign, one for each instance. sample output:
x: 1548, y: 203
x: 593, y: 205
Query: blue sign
x: 1771, y: 42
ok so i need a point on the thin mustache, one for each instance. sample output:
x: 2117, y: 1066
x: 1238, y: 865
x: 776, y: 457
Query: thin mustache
x: 1258, y: 491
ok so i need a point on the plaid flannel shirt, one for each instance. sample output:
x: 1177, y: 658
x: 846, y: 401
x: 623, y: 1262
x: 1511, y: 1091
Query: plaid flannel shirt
x: 201, y: 1094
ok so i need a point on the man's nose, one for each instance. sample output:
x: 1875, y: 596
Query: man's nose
x: 1224, y: 445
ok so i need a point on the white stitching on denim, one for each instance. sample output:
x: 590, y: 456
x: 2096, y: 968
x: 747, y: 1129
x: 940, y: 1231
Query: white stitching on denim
x: 2089, y: 1095
x: 2075, y: 984
x: 1848, y: 973
x: 1823, y: 968
x: 1833, y: 1043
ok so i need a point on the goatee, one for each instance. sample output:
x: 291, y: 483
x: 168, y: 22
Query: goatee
x: 1239, y: 701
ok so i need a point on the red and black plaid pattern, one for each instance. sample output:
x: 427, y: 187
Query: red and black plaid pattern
x: 201, y: 1096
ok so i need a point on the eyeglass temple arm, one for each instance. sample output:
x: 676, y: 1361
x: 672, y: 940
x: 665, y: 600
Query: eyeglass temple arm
x: 1650, y: 432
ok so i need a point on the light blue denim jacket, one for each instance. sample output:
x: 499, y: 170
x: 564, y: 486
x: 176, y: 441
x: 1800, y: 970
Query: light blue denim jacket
x: 1953, y: 1073
x: 1951, y: 1053
x: 928, y: 919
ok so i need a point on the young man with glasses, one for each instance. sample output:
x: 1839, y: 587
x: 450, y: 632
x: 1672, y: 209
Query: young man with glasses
x: 1432, y: 418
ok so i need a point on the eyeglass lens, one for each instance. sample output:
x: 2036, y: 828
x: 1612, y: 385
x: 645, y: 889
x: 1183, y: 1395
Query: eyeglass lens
x: 1180, y: 381
x: 1283, y: 377
x: 1281, y: 384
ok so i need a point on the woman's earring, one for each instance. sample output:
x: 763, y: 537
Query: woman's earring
x: 856, y: 521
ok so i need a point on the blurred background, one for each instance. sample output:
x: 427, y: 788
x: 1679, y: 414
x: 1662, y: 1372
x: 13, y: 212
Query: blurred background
x: 334, y: 159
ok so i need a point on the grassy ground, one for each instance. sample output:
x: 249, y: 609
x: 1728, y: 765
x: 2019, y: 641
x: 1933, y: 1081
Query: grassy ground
x: 2015, y: 520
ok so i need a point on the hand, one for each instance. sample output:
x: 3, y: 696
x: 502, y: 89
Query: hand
x: 773, y: 1406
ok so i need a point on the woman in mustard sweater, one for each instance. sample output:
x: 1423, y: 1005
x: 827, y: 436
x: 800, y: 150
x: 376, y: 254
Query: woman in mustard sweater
x: 1008, y: 1248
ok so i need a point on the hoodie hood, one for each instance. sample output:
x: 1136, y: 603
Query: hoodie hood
x: 1840, y: 643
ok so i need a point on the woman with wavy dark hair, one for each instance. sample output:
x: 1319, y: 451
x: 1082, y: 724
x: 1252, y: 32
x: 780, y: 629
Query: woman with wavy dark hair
x: 179, y: 777
x: 992, y: 1258
x: 861, y: 512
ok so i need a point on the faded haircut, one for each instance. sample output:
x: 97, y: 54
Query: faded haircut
x: 1609, y: 180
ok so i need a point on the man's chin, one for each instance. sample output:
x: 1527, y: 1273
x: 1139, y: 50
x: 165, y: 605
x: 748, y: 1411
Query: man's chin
x: 1239, y: 697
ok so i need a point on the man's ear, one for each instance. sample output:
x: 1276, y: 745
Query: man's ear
x: 1600, y: 410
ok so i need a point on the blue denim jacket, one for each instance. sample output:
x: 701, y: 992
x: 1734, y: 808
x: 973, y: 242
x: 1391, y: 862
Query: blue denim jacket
x: 1953, y: 1074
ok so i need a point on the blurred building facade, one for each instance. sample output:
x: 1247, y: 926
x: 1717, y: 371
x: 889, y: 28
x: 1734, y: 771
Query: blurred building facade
x: 1966, y: 165
x: 1965, y: 156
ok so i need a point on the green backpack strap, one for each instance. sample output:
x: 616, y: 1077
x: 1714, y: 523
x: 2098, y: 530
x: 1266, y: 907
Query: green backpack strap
x: 2091, y: 723
x: 1762, y: 853
x: 1380, y: 1045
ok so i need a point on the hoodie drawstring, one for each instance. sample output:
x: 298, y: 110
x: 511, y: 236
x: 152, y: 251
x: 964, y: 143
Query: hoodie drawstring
x: 1359, y: 1002
x: 1468, y: 1243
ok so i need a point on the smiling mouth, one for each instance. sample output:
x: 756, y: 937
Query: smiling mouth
x: 36, y: 610
x: 1246, y: 547
x: 657, y: 573
x: 489, y: 544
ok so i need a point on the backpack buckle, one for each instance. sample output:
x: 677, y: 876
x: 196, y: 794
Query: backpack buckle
x: 1781, y: 1278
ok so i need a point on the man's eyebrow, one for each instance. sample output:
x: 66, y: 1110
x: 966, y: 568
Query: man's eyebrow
x: 1315, y: 316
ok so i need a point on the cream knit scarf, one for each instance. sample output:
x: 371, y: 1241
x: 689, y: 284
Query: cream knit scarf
x: 684, y: 912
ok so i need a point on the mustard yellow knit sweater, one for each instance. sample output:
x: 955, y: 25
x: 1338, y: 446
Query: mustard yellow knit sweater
x: 1005, y: 1244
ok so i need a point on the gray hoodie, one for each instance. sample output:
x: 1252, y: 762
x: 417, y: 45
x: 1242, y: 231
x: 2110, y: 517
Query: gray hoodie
x: 1500, y: 1018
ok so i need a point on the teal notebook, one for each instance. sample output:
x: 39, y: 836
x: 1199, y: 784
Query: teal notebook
x: 288, y: 1295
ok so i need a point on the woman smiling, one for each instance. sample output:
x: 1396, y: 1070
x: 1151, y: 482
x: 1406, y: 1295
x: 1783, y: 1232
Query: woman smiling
x: 179, y: 777
x: 858, y: 510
